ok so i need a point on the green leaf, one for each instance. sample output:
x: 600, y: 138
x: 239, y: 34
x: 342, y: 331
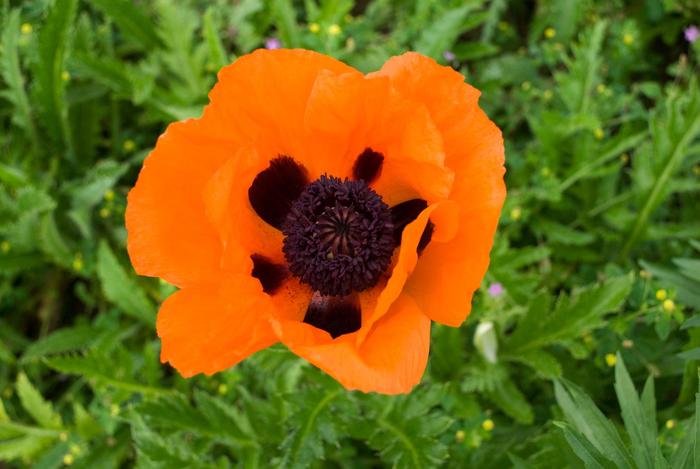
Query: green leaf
x: 62, y: 340
x: 52, y: 242
x: 32, y: 401
x: 407, y: 428
x: 53, y: 41
x: 11, y: 73
x: 133, y: 22
x: 121, y: 289
x: 285, y: 19
x: 542, y: 362
x: 639, y: 416
x: 572, y: 316
x: 440, y: 35
x: 586, y: 418
x: 588, y: 453
x: 314, y: 427
x: 217, y: 53
x: 511, y: 400
x: 674, y: 127
x: 101, y: 370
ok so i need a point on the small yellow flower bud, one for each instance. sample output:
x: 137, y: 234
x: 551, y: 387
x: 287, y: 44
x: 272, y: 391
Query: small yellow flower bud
x: 78, y: 262
x: 670, y: 424
x: 516, y: 213
x: 547, y: 95
x: 628, y: 39
x: 601, y: 88
x: 334, y: 30
x: 5, y: 246
x: 104, y: 212
x: 487, y: 425
x: 549, y: 33
x: 26, y: 28
x: 546, y: 172
x: 645, y: 274
x: 599, y: 133
x: 222, y: 389
x: 114, y: 410
x: 669, y: 306
x: 63, y: 436
x: 611, y: 359
x: 65, y: 76
x: 314, y: 27
x: 75, y: 449
x: 460, y: 435
x: 661, y: 294
x: 627, y: 343
x: 128, y: 145
x: 109, y: 195
x: 68, y: 459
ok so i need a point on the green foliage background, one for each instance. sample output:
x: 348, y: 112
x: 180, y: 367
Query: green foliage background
x: 599, y: 103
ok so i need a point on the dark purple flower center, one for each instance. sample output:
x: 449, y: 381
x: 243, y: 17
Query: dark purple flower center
x: 339, y: 236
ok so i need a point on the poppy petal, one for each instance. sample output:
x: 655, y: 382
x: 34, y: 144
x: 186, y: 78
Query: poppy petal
x: 391, y: 360
x: 241, y: 231
x: 449, y: 272
x: 169, y: 235
x: 262, y: 97
x: 346, y: 114
x: 446, y: 216
x: 205, y: 329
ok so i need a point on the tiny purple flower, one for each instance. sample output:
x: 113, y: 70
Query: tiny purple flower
x: 273, y: 43
x: 449, y: 55
x: 496, y: 290
x: 692, y: 33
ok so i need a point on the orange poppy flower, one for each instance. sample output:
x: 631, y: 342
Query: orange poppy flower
x: 335, y: 212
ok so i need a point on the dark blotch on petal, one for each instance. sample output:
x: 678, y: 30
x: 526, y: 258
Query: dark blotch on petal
x: 404, y: 213
x: 271, y: 275
x: 337, y: 315
x: 275, y: 189
x: 426, y: 236
x: 368, y: 166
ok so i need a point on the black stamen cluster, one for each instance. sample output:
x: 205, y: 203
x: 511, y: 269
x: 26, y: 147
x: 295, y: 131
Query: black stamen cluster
x: 338, y: 236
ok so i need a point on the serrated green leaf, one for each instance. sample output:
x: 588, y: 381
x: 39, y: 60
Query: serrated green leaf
x: 586, y: 418
x: 571, y: 317
x: 101, y: 370
x: 52, y: 242
x: 53, y: 42
x: 12, y: 75
x: 63, y: 340
x: 121, y: 289
x: 639, y: 416
x: 34, y: 403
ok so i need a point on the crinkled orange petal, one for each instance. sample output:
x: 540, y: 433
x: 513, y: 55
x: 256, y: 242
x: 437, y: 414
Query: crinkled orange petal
x: 205, y: 329
x: 449, y: 272
x: 444, y: 215
x: 169, y: 235
x: 348, y: 113
x: 262, y: 97
x: 391, y: 360
x: 241, y: 230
